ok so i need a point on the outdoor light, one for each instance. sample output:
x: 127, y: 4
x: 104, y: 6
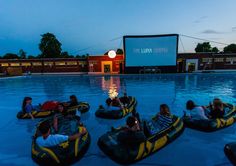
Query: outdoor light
x: 112, y: 54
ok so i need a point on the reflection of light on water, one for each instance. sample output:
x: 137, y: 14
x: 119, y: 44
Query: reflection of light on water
x: 112, y: 85
x: 108, y: 82
x: 112, y: 93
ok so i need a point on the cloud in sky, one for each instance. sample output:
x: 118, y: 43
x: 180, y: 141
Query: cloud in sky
x: 211, y: 31
x: 233, y: 29
x: 200, y: 19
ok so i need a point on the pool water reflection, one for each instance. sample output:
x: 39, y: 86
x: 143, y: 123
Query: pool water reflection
x: 191, y: 148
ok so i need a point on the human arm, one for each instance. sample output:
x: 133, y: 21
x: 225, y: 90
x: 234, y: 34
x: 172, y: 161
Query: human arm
x: 55, y: 123
x: 201, y: 112
x: 120, y: 103
x: 29, y: 110
x: 77, y: 135
x: 31, y: 116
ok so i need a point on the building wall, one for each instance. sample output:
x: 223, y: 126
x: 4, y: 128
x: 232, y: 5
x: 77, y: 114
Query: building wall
x: 46, y: 65
x: 208, y: 61
x: 95, y: 63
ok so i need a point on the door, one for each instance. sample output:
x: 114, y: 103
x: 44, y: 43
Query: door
x: 191, y: 65
x: 107, y: 68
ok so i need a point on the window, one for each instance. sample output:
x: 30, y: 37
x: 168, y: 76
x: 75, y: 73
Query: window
x: 60, y: 63
x: 229, y: 59
x: 14, y: 64
x: 206, y: 59
x: 4, y: 64
x: 48, y: 63
x: 37, y: 63
x: 26, y: 64
x: 84, y: 63
x: 219, y: 60
x: 91, y: 62
x: 71, y: 63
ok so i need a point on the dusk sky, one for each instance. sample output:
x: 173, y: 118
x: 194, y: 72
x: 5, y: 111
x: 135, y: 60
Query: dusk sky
x: 95, y: 26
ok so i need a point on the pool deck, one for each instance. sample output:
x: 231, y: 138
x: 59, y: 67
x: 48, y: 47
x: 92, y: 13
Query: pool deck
x: 215, y: 71
x: 117, y: 74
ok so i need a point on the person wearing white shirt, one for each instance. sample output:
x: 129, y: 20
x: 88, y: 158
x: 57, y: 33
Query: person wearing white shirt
x: 48, y: 140
x: 195, y: 112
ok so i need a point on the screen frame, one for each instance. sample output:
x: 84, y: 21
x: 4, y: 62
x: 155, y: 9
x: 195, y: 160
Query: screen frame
x: 149, y: 36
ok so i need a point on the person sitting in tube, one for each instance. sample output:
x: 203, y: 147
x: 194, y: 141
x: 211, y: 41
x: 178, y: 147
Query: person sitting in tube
x: 73, y: 101
x: 48, y: 140
x: 125, y: 99
x: 217, y: 109
x: 161, y: 121
x: 27, y: 107
x: 62, y: 111
x: 195, y: 112
x: 114, y: 104
x: 132, y: 134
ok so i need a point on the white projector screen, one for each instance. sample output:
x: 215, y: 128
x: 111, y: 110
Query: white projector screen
x: 157, y: 50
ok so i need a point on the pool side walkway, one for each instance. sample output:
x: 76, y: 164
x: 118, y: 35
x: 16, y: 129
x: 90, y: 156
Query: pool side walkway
x: 215, y: 71
x: 116, y: 74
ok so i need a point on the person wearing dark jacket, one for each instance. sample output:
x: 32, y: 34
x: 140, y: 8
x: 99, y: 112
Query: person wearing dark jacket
x: 73, y: 101
x: 125, y: 99
x: 131, y: 135
x: 217, y: 109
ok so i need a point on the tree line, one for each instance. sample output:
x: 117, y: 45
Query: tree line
x: 206, y: 47
x: 50, y: 47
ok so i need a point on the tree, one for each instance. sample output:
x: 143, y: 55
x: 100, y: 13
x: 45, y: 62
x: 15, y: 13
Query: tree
x: 230, y: 48
x: 203, y: 47
x: 85, y: 55
x: 22, y: 54
x: 215, y: 50
x: 50, y: 46
x: 65, y: 54
x: 31, y: 57
x: 10, y: 56
x: 119, y: 51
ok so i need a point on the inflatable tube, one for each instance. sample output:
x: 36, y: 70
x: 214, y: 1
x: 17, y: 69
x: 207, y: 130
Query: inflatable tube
x: 49, y: 108
x: 116, y: 114
x: 36, y: 114
x: 230, y: 152
x: 122, y: 154
x: 81, y: 107
x: 213, y: 124
x: 67, y: 152
x: 46, y: 109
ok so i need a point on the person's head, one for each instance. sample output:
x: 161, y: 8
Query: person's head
x: 125, y: 94
x: 131, y: 122
x: 190, y: 105
x: 217, y: 104
x: 164, y: 110
x: 217, y: 101
x: 44, y: 128
x: 61, y: 108
x: 116, y: 98
x: 73, y: 99
x: 27, y: 100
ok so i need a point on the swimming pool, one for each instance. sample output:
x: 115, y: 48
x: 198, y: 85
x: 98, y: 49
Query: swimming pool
x: 191, y: 148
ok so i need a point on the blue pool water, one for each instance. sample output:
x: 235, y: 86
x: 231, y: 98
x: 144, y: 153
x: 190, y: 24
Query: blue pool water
x: 191, y: 148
